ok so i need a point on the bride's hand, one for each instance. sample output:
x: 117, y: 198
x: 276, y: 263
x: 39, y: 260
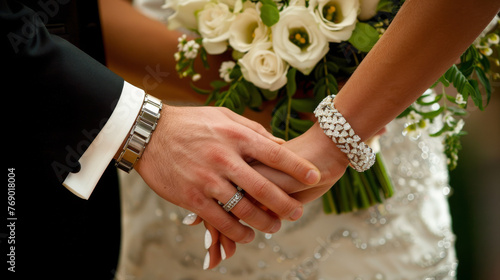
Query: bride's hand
x: 315, y: 146
x: 198, y: 154
x: 218, y: 246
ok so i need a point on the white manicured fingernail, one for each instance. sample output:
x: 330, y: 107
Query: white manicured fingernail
x: 206, y: 262
x: 222, y: 252
x: 208, y: 239
x: 189, y: 219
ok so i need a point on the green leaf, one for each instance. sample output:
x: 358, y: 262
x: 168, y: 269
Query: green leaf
x: 385, y: 6
x: 364, y: 37
x: 269, y: 14
x: 332, y: 67
x: 421, y: 101
x: 291, y: 85
x: 476, y: 95
x: 269, y: 95
x: 405, y: 112
x: 457, y: 111
x: 218, y: 84
x: 431, y: 114
x: 459, y: 81
x: 485, y: 81
x: 300, y: 125
x: 199, y: 90
x: 304, y: 105
x: 255, y: 101
x: 204, y: 57
x: 243, y: 92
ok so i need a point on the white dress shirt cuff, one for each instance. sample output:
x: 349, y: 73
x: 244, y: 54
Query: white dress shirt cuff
x: 101, y: 151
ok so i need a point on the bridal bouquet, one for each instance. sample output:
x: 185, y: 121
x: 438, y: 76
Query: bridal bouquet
x: 297, y: 52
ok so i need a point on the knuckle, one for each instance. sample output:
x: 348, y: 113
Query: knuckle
x: 228, y: 228
x: 260, y: 189
x: 274, y: 153
x: 245, y: 211
x: 196, y: 200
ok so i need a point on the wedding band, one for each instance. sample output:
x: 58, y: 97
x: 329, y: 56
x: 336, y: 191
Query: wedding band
x: 234, y: 200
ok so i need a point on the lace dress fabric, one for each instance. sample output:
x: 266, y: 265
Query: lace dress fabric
x: 407, y: 237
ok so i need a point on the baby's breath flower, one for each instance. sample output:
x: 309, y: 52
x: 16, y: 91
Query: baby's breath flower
x: 459, y: 126
x: 196, y: 77
x: 415, y: 126
x: 225, y: 70
x: 459, y: 99
x: 177, y: 56
x: 182, y: 41
x: 190, y: 49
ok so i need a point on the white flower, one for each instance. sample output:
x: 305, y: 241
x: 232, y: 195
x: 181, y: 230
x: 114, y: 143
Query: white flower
x: 459, y: 99
x: 196, y: 77
x: 213, y: 24
x: 298, y: 40
x: 190, y: 49
x: 225, y: 70
x: 262, y: 67
x: 458, y: 128
x: 182, y: 41
x: 368, y: 8
x: 185, y: 13
x: 234, y: 5
x: 247, y: 30
x: 177, y: 56
x: 487, y: 51
x: 493, y: 39
x: 415, y: 125
x: 337, y: 17
x: 449, y: 119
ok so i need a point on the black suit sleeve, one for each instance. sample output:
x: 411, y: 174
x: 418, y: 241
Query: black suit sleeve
x: 56, y: 99
x: 65, y: 96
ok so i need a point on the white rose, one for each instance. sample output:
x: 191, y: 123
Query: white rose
x: 298, y: 40
x: 368, y: 8
x: 262, y: 67
x: 234, y: 5
x: 185, y: 13
x: 213, y: 24
x: 337, y: 17
x: 247, y: 30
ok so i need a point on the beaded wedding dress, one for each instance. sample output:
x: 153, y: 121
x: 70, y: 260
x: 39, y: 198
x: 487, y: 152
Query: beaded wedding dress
x: 407, y: 237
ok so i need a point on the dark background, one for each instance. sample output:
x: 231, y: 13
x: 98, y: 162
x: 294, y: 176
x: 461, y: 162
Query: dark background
x: 475, y: 202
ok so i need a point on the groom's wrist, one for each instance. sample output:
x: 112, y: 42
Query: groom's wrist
x: 139, y: 136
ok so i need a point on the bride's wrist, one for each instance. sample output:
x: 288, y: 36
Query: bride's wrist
x: 326, y: 147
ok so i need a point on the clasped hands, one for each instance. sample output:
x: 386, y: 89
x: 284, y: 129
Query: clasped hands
x: 198, y: 155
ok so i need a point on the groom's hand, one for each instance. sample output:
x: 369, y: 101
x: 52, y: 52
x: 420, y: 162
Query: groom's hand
x: 198, y: 155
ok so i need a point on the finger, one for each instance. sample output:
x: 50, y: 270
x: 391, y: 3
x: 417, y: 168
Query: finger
x: 288, y: 184
x: 250, y: 213
x: 266, y: 193
x: 281, y: 158
x: 309, y: 195
x: 227, y: 247
x: 255, y: 126
x: 213, y: 256
x: 225, y: 223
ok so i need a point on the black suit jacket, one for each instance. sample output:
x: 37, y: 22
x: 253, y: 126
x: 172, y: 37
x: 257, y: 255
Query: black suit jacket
x: 57, y: 98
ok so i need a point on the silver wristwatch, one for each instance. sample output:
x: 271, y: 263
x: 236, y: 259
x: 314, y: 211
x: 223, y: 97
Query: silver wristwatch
x: 140, y: 134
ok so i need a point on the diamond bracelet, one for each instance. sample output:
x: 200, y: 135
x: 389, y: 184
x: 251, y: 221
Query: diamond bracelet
x: 336, y: 127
